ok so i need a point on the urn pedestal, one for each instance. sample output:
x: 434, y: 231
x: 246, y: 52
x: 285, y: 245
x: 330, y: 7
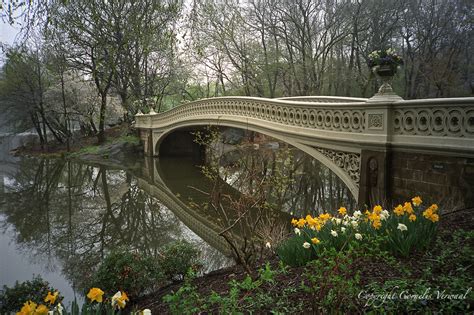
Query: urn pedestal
x: 385, y: 74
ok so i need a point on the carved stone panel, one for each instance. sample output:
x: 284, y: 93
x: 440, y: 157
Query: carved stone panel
x: 375, y: 121
x: 349, y: 162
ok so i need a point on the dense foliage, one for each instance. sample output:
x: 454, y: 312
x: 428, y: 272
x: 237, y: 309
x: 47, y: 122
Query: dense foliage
x: 11, y: 299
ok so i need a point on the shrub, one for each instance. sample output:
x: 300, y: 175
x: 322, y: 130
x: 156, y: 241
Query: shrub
x: 129, y: 272
x: 177, y: 258
x: 12, y: 299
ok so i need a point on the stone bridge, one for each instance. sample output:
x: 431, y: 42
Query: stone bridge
x: 381, y: 148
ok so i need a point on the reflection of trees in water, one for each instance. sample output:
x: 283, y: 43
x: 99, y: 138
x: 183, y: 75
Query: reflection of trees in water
x: 77, y: 213
x: 297, y: 182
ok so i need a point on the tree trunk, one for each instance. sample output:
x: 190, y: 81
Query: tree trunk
x: 103, y: 104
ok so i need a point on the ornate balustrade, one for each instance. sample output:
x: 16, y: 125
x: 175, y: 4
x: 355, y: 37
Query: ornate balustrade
x: 432, y: 124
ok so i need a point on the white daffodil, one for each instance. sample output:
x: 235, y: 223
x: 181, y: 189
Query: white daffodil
x: 357, y: 214
x: 402, y: 227
x: 338, y: 221
x: 297, y: 231
x: 268, y: 245
x: 146, y: 312
x: 343, y: 229
x: 306, y: 245
x: 354, y: 224
x: 358, y: 236
x: 119, y: 300
x: 384, y: 215
x: 333, y: 233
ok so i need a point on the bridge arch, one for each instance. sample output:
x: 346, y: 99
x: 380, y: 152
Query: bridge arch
x: 160, y: 136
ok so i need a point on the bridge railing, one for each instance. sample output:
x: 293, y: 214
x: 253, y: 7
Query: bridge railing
x: 445, y: 123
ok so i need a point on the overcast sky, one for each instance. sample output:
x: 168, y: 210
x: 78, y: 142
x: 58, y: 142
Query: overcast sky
x: 7, y: 36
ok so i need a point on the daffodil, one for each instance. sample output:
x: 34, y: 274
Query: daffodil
x: 294, y: 221
x: 384, y: 215
x: 434, y: 217
x: 28, y: 308
x: 119, y: 300
x: 95, y: 294
x: 343, y: 229
x: 297, y: 231
x: 399, y: 210
x: 357, y: 214
x: 377, y: 224
x: 428, y: 213
x: 358, y: 236
x: 42, y: 310
x: 378, y: 209
x: 268, y: 245
x: 146, y: 312
x: 51, y: 297
x: 408, y: 208
x: 416, y: 201
x: 412, y: 218
x: 301, y: 222
x: 342, y: 211
x: 402, y: 227
x: 306, y: 245
x: 324, y: 216
x: 315, y: 240
x: 333, y: 233
x: 59, y: 309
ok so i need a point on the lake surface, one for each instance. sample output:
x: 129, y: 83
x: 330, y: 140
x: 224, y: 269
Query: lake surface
x: 59, y: 219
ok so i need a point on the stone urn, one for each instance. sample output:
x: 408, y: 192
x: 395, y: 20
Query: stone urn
x: 385, y: 74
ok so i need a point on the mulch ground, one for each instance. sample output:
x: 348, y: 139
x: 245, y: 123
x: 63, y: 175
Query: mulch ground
x: 371, y: 270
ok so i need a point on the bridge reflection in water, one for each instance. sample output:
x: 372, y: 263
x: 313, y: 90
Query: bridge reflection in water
x: 68, y: 215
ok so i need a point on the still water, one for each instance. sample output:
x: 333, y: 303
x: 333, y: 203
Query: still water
x: 59, y: 219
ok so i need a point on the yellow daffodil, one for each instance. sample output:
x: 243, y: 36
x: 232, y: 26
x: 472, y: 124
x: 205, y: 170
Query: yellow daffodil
x: 434, y: 207
x: 378, y: 209
x: 412, y: 218
x: 428, y: 213
x: 301, y: 222
x: 315, y: 240
x: 376, y: 224
x: 399, y: 210
x: 324, y: 216
x: 342, y: 211
x: 374, y: 216
x: 51, y: 297
x: 408, y: 208
x: 434, y: 217
x: 95, y: 294
x: 311, y: 221
x: 416, y: 201
x: 42, y: 310
x: 28, y: 308
x: 294, y: 222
